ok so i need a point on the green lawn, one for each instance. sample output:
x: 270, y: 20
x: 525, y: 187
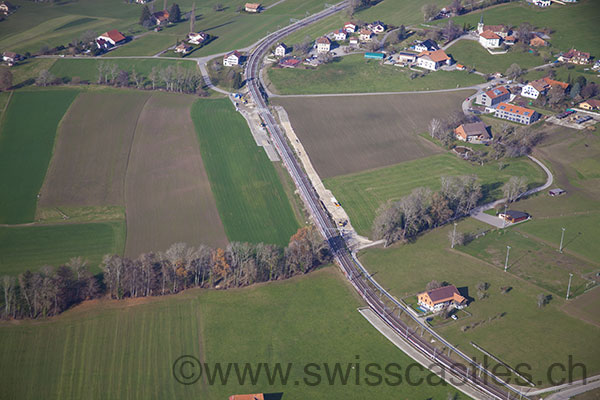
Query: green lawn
x: 27, y: 71
x: 31, y: 247
x: 26, y: 142
x: 250, y: 197
x: 352, y: 74
x: 361, y: 194
x: 148, y: 45
x: 573, y: 25
x: 564, y: 73
x: 526, y: 333
x: 471, y: 54
x: 87, y: 70
x: 126, y: 349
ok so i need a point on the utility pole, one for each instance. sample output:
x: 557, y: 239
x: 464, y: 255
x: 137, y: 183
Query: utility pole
x: 506, y: 262
x: 504, y: 219
x: 569, y: 287
x: 562, y: 236
x: 453, y: 236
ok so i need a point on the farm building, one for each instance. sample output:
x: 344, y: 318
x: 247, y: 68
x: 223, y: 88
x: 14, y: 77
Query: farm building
x: 494, y: 96
x: 10, y: 57
x: 161, y: 17
x: 574, y: 56
x: 440, y: 298
x: 281, y: 50
x: 556, y: 192
x: 514, y: 113
x: 323, y: 45
x: 6, y: 8
x: 475, y: 132
x: 433, y: 60
x: 537, y: 41
x: 232, y: 58
x: 375, y: 56
x: 590, y: 105
x: 513, y: 216
x: 196, y: 38
x: 252, y: 7
x: 427, y: 45
x: 110, y: 39
x: 404, y: 57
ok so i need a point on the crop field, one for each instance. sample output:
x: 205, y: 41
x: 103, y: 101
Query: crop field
x: 350, y: 134
x: 87, y: 70
x: 406, y: 269
x: 26, y: 144
x: 249, y: 194
x: 167, y: 191
x: 92, y: 150
x: 363, y: 193
x: 133, y: 345
x: 471, y: 54
x: 31, y: 247
x: 572, y: 25
x: 355, y: 74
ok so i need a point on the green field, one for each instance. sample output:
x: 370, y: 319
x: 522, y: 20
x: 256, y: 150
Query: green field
x: 250, y: 197
x: 544, y: 336
x: 361, y: 194
x: 87, y: 70
x: 471, y: 54
x: 31, y: 247
x: 354, y: 74
x: 564, y: 73
x: 26, y: 142
x: 147, y: 45
x: 126, y: 349
x: 573, y: 25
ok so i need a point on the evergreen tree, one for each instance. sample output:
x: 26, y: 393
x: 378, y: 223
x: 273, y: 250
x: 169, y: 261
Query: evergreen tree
x: 174, y: 13
x: 146, y: 17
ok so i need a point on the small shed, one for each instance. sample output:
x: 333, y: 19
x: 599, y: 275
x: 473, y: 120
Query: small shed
x: 375, y: 56
x: 556, y: 192
x: 513, y: 216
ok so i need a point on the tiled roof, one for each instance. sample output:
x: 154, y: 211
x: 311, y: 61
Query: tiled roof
x: 515, y: 109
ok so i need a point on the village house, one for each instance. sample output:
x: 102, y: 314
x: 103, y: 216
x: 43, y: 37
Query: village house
x: 494, y: 96
x: 353, y: 41
x: 440, y: 298
x: 475, y: 132
x: 404, y: 58
x: 376, y: 27
x: 161, y: 17
x: 513, y: 216
x: 232, y: 58
x: 510, y: 40
x: 109, y: 39
x: 252, y: 7
x: 460, y: 67
x: 183, y: 48
x: 340, y: 35
x: 537, y: 41
x: 590, y: 105
x: 541, y: 3
x: 489, y: 39
x: 349, y: 27
x: 281, y: 50
x: 6, y: 8
x: 196, y: 38
x: 365, y: 35
x: 10, y: 57
x: 433, y: 60
x: 540, y: 87
x: 427, y: 45
x: 574, y: 56
x: 514, y: 113
x: 323, y: 45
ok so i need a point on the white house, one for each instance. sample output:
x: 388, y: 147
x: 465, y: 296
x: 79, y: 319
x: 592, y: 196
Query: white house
x: 427, y: 45
x: 10, y: 57
x: 542, y: 3
x: 433, y: 60
x: 377, y: 27
x: 323, y: 45
x: 281, y: 50
x: 196, y: 38
x: 183, y: 48
x: 489, y: 39
x: 349, y: 27
x: 113, y: 37
x: 232, y: 58
x: 353, y: 41
x: 534, y: 89
x: 340, y: 35
x: 252, y: 7
x: 365, y: 35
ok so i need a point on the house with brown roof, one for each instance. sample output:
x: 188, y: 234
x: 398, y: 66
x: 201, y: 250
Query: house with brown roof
x: 501, y: 30
x: 475, y: 132
x: 323, y: 45
x: 574, y: 56
x: 252, y: 7
x: 10, y: 57
x: 540, y: 87
x: 514, y: 113
x: 183, y: 48
x: 493, y: 96
x: 161, y: 17
x: 110, y: 39
x: 537, y: 41
x: 590, y: 105
x: 510, y: 40
x: 440, y: 298
x: 365, y: 35
x: 433, y: 60
x: 196, y: 37
x: 349, y: 27
x: 489, y: 39
x: 513, y: 216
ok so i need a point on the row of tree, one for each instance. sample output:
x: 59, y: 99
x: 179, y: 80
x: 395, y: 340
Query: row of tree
x: 423, y: 209
x: 51, y: 291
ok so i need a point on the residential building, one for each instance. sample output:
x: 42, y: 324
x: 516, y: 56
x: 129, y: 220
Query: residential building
x: 514, y: 113
x: 433, y: 60
x: 540, y: 87
x: 10, y: 57
x: 574, y: 56
x: 475, y: 132
x: 537, y: 41
x: 6, y: 8
x: 489, y: 39
x: 590, y: 105
x: 377, y: 27
x: 323, y: 45
x: 183, y: 48
x: 197, y: 37
x: 113, y: 37
x: 340, y: 35
x: 513, y: 216
x: 161, y: 17
x: 427, y: 45
x: 281, y: 50
x: 541, y: 3
x: 232, y: 58
x: 510, y: 40
x: 349, y: 27
x: 404, y: 57
x: 365, y: 35
x: 440, y: 298
x: 353, y: 41
x: 494, y: 96
x: 252, y: 7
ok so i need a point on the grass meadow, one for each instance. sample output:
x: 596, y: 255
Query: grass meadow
x: 26, y: 145
x: 363, y: 193
x: 355, y: 74
x: 126, y: 349
x: 250, y: 197
x: 31, y: 247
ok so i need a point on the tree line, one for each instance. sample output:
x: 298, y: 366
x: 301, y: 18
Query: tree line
x: 423, y: 209
x: 51, y: 291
